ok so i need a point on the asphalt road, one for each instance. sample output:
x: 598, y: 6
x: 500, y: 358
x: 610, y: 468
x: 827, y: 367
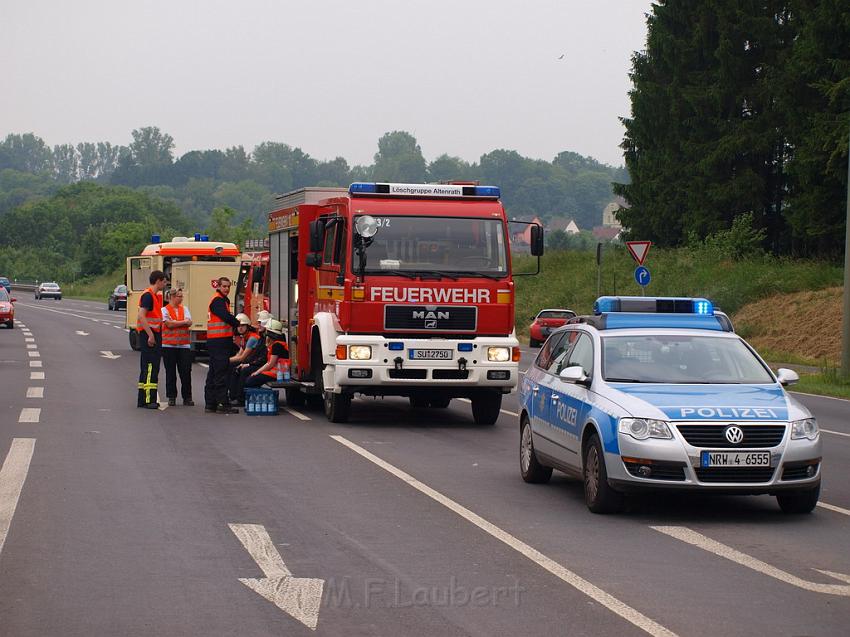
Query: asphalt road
x: 137, y: 522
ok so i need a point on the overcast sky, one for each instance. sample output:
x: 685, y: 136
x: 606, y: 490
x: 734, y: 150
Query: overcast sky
x: 331, y: 76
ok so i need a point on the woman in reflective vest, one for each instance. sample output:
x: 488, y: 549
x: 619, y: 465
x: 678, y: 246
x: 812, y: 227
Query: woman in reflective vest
x: 177, y: 348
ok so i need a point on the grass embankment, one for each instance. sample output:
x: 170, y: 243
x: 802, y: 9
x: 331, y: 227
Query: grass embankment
x: 94, y: 289
x: 568, y: 279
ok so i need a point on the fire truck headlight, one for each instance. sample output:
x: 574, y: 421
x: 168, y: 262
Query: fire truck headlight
x: 366, y: 226
x: 498, y: 354
x: 359, y: 352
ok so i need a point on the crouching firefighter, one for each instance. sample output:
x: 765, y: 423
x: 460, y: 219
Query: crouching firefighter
x: 149, y: 324
x: 220, y: 327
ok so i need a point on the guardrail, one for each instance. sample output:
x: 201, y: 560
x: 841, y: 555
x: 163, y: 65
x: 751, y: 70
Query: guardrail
x: 24, y: 285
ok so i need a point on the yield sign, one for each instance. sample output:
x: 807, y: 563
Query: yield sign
x: 639, y: 250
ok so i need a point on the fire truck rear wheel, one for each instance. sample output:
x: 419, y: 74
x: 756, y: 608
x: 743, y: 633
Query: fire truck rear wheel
x: 294, y: 397
x: 486, y: 406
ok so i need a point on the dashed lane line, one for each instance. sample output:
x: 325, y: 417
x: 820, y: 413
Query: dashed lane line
x: 561, y: 572
x: 33, y: 354
x: 29, y: 340
x: 32, y: 346
x: 834, y: 433
x: 35, y: 392
x: 30, y: 414
x: 297, y: 414
x: 13, y: 474
x: 832, y: 507
x: 35, y: 363
x: 36, y: 375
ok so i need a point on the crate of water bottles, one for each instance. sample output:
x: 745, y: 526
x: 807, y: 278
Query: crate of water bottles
x: 260, y: 401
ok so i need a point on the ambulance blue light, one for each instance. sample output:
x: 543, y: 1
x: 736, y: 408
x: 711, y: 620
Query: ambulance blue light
x: 464, y: 347
x: 154, y: 238
x: 362, y: 188
x: 205, y: 237
x: 197, y: 236
x: 396, y: 347
x: 488, y: 191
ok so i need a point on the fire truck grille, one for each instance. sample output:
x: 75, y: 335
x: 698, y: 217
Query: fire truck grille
x: 441, y: 318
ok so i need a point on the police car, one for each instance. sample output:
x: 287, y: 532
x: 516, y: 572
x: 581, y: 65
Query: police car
x: 659, y: 393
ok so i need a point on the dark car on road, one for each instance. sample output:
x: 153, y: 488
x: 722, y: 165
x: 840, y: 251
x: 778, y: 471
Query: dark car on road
x: 48, y: 290
x: 118, y: 298
x: 5, y: 283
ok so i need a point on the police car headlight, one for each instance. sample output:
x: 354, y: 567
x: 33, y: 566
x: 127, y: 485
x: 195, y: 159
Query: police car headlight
x: 498, y: 354
x: 643, y: 428
x: 806, y: 428
x: 359, y: 352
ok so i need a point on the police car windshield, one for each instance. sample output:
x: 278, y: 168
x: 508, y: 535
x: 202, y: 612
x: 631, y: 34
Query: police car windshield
x: 680, y: 359
x: 453, y: 245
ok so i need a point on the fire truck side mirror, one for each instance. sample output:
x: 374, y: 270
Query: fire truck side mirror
x: 313, y: 259
x: 536, y: 240
x: 317, y: 230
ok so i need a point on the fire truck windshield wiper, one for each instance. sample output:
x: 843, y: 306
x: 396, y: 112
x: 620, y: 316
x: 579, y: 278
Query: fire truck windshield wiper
x: 460, y: 273
x: 404, y: 273
x: 436, y: 274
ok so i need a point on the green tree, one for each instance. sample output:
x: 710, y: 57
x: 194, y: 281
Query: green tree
x: 151, y: 147
x: 399, y: 159
x: 26, y: 153
x: 222, y: 227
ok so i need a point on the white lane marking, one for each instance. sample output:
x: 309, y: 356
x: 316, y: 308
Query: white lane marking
x: 36, y: 375
x: 30, y: 414
x: 35, y: 363
x: 108, y: 354
x: 297, y: 596
x: 297, y: 414
x: 87, y: 318
x: 33, y: 354
x: 35, y: 392
x: 802, y: 393
x: 81, y: 333
x: 832, y: 507
x: 699, y: 540
x: 118, y: 327
x: 834, y: 433
x: 13, y: 474
x: 504, y: 411
x: 32, y: 346
x: 29, y: 340
x: 561, y: 572
x: 203, y: 364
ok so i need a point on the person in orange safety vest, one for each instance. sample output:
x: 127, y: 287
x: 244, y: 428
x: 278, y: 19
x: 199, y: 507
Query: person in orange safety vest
x: 149, y: 337
x: 177, y: 348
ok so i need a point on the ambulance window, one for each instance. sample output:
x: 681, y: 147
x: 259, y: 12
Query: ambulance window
x: 140, y: 272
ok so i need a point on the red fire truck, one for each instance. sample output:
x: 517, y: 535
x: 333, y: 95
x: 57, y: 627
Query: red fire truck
x: 396, y: 290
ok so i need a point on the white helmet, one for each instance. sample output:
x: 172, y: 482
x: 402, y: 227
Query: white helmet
x: 243, y: 319
x: 275, y: 327
x: 263, y: 315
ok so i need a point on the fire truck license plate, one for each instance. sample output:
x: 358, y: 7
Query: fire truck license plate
x: 735, y: 459
x: 431, y: 354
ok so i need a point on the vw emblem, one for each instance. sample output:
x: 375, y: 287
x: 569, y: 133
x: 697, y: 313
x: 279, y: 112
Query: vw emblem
x: 734, y: 434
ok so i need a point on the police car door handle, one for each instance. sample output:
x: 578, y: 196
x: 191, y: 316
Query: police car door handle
x: 535, y: 389
x: 555, y: 398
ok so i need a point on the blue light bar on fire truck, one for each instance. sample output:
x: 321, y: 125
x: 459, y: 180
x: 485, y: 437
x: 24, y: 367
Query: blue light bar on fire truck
x: 425, y: 191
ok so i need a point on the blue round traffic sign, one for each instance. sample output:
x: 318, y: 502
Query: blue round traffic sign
x: 642, y: 276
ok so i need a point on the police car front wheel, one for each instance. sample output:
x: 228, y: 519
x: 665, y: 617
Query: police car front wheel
x: 530, y: 469
x: 801, y: 501
x: 598, y: 494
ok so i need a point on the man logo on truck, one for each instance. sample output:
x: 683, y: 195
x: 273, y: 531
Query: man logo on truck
x: 430, y: 315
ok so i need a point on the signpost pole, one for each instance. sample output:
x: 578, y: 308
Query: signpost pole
x: 598, y: 270
x: 845, y: 317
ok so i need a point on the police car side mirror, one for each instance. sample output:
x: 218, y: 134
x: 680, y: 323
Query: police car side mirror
x: 787, y: 376
x: 574, y: 374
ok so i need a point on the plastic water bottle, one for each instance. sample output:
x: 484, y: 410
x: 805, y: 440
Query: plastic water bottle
x: 249, y: 403
x: 286, y: 375
x: 266, y: 404
x: 280, y: 374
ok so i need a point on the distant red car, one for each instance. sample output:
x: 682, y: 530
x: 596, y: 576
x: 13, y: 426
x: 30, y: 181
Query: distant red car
x: 546, y: 321
x: 7, y: 308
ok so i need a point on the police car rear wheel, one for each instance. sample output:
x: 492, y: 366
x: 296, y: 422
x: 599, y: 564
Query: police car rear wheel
x: 530, y: 469
x: 797, y: 502
x: 598, y: 494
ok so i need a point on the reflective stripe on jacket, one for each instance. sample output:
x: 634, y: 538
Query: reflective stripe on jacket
x: 175, y: 336
x: 154, y: 316
x: 216, y: 327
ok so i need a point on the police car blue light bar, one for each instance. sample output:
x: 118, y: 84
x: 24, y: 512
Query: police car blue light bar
x: 653, y: 305
x: 455, y: 191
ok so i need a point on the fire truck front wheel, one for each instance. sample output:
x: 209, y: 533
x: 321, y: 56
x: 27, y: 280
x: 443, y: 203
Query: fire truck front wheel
x: 337, y: 406
x: 486, y: 406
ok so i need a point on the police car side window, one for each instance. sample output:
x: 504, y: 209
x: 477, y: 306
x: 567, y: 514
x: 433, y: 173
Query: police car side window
x: 559, y: 353
x: 544, y: 358
x: 582, y: 354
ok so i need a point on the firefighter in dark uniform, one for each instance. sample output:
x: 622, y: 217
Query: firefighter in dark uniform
x: 220, y: 327
x: 148, y: 324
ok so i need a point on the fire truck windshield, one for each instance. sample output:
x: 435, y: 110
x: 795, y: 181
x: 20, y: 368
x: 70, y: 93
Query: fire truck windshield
x: 452, y: 245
